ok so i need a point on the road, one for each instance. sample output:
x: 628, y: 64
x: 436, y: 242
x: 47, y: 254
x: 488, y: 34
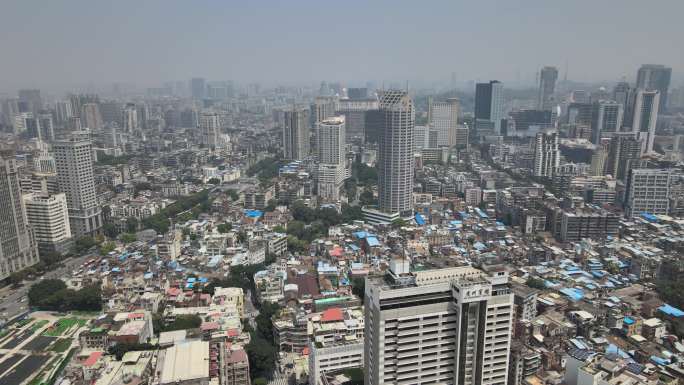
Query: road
x: 11, y: 298
x: 251, y: 312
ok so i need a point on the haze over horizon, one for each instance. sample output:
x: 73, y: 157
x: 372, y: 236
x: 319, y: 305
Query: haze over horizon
x: 61, y: 44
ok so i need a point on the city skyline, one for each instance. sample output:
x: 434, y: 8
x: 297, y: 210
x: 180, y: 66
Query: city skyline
x: 145, y: 55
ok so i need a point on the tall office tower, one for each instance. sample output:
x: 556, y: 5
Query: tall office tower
x: 489, y: 109
x: 444, y: 326
x: 395, y: 153
x: 74, y: 124
x: 111, y: 112
x: 296, y: 133
x: 606, y: 119
x: 90, y: 116
x: 73, y: 157
x: 323, y: 108
x: 421, y: 138
x: 209, y: 127
x: 10, y: 109
x: 647, y: 191
x: 49, y: 217
x: 621, y: 94
x: 443, y: 119
x: 581, y: 96
x: 546, y: 154
x: 143, y: 115
x: 46, y: 127
x: 547, y: 86
x: 644, y: 116
x: 598, y: 162
x: 357, y: 93
x: 198, y: 88
x: 624, y: 149
x: 32, y: 98
x: 330, y: 141
x: 23, y: 122
x: 655, y: 77
x: 63, y: 111
x: 130, y: 118
x: 360, y: 119
x: 17, y: 245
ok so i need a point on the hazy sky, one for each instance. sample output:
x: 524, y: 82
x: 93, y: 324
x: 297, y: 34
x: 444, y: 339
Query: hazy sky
x: 60, y: 42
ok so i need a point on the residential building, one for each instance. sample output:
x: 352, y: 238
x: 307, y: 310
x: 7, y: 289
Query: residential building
x: 209, y: 129
x: 330, y: 141
x: 443, y: 119
x: 296, y: 133
x: 546, y: 154
x: 73, y: 158
x: 48, y: 215
x: 91, y: 117
x: 647, y: 191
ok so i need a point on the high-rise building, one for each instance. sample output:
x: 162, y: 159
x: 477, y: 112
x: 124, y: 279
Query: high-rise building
x: 90, y: 116
x: 395, y: 153
x: 606, y: 118
x: 111, y: 112
x: 647, y: 191
x: 644, y: 116
x: 49, y: 217
x: 198, y: 88
x: 443, y: 119
x: 489, y: 110
x: 444, y: 326
x: 46, y: 127
x: 63, y: 111
x: 209, y: 129
x: 655, y: 77
x: 17, y: 245
x: 357, y: 93
x: 32, y: 98
x: 73, y: 157
x: 421, y: 137
x: 361, y: 119
x: 130, y: 118
x: 547, y: 87
x: 296, y: 133
x: 323, y: 108
x: 623, y: 150
x: 330, y: 140
x: 546, y: 154
x: 621, y: 94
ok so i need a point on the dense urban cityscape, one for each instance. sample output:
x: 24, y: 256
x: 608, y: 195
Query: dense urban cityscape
x: 226, y: 232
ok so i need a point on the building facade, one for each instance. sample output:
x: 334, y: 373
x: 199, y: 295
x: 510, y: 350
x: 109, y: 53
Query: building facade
x: 395, y: 153
x: 73, y: 158
x: 18, y: 248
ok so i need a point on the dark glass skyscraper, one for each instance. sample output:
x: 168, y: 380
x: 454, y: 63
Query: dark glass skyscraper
x: 655, y: 77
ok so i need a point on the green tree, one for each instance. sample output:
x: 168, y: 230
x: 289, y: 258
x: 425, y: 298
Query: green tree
x: 110, y: 230
x: 132, y: 224
x: 83, y: 244
x: 224, y: 228
x: 184, y: 322
x: 398, y: 223
x: 107, y: 247
x: 535, y: 283
x: 214, y: 181
x: 366, y: 198
x: 127, y: 238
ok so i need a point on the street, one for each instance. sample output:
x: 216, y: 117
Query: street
x: 12, y: 304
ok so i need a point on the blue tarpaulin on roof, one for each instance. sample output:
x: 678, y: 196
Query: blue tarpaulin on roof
x: 253, y: 213
x: 671, y: 311
x: 574, y: 294
x: 419, y: 220
x: 360, y: 234
x: 372, y: 241
x: 649, y: 217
